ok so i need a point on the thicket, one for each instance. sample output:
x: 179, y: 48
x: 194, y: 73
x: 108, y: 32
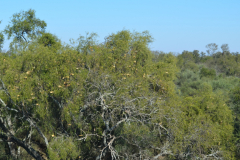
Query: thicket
x: 114, y: 100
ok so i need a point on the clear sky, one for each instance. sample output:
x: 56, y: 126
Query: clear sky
x: 175, y: 25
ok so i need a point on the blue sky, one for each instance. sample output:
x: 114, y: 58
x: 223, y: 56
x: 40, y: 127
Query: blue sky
x: 175, y: 25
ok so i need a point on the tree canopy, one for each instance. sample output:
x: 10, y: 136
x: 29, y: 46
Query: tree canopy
x: 24, y: 26
x: 116, y: 99
x: 1, y: 39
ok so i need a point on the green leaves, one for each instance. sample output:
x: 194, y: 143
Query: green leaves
x: 63, y: 148
x: 1, y: 39
x: 115, y: 98
x: 49, y: 40
x: 24, y: 26
x: 205, y: 72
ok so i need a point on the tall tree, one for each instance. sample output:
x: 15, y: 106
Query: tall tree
x: 1, y: 39
x: 24, y: 26
x: 196, y: 56
x: 211, y: 48
x: 225, y: 47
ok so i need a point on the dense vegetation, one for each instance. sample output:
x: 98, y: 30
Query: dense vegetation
x: 116, y: 99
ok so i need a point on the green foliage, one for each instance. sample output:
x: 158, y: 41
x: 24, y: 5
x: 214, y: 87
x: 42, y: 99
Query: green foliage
x: 209, y: 110
x: 85, y: 44
x: 211, y: 48
x: 209, y: 73
x: 116, y: 99
x: 1, y: 40
x: 188, y: 60
x: 62, y: 148
x: 196, y: 56
x: 49, y: 40
x: 225, y: 84
x: 188, y: 82
x: 24, y: 26
x: 3, y: 154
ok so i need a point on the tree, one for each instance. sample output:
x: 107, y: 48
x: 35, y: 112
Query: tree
x: 188, y: 82
x: 225, y: 47
x: 187, y: 61
x: 203, y: 111
x: 1, y: 39
x: 211, y: 48
x: 91, y: 112
x: 196, y: 56
x: 125, y: 43
x: 49, y: 40
x: 24, y: 27
x: 205, y: 72
x: 235, y: 103
x: 8, y: 127
x: 110, y: 101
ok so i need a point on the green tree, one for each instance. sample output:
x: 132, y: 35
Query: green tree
x: 203, y: 111
x: 225, y: 48
x: 24, y: 26
x: 235, y: 104
x: 205, y: 72
x: 50, y: 41
x: 196, y: 56
x: 114, y: 100
x: 1, y: 39
x: 211, y: 48
x: 85, y: 44
x: 188, y: 83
